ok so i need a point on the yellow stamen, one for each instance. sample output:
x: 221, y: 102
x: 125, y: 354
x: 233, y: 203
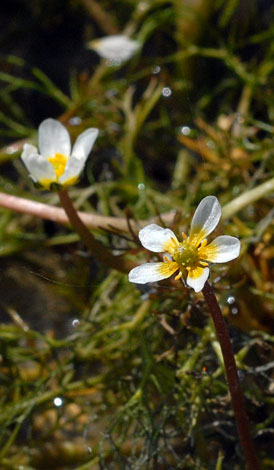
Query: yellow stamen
x: 168, y: 268
x: 203, y: 263
x: 171, y: 245
x: 184, y: 235
x: 209, y: 252
x: 197, y: 236
x: 58, y: 162
x: 179, y: 275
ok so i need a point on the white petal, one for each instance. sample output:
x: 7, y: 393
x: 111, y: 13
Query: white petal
x: 39, y: 168
x: 223, y: 249
x: 53, y: 138
x: 205, y: 219
x: 117, y: 47
x: 197, y: 278
x: 84, y: 144
x: 149, y: 272
x: 156, y: 238
x: 72, y: 171
x: 28, y: 149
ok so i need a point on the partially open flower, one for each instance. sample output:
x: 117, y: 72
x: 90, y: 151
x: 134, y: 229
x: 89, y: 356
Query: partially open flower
x: 190, y: 257
x: 115, y: 48
x: 55, y: 164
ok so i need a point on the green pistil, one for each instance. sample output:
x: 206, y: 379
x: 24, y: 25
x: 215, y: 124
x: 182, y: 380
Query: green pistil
x: 186, y: 255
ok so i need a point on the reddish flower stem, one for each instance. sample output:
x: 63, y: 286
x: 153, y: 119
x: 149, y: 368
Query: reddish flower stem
x: 96, y: 248
x: 237, y: 399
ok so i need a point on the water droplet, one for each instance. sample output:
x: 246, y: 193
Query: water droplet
x: 58, y: 401
x: 111, y: 93
x: 141, y: 186
x: 75, y: 323
x: 156, y: 69
x: 143, y: 6
x: 10, y: 149
x: 235, y: 190
x: 233, y: 305
x: 166, y: 91
x: 114, y: 62
x: 185, y: 130
x: 89, y: 449
x: 210, y: 144
x: 231, y: 300
x: 75, y: 121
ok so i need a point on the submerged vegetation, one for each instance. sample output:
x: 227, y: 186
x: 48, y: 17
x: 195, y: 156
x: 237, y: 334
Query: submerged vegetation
x: 97, y: 373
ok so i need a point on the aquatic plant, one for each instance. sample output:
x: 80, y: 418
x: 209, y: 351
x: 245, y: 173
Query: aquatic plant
x: 94, y: 372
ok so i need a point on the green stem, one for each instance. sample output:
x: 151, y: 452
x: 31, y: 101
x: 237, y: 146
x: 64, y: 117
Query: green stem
x: 96, y: 248
x: 236, y: 393
x: 247, y: 198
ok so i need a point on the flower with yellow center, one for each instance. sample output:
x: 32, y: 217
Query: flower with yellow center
x: 190, y: 257
x: 55, y: 163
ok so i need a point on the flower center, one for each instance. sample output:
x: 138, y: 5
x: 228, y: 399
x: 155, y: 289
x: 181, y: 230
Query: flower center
x: 186, y: 254
x: 58, y: 162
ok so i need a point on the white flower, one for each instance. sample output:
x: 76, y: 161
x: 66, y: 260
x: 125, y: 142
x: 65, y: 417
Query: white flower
x: 193, y: 255
x: 115, y: 48
x: 55, y: 162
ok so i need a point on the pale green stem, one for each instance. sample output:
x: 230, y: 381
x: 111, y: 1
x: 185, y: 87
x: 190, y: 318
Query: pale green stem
x: 247, y: 198
x: 94, y: 221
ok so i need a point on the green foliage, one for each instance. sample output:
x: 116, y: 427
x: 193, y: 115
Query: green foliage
x: 139, y: 373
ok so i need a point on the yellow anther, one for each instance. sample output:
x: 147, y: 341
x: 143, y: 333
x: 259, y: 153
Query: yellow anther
x: 174, y: 242
x: 58, y: 162
x: 203, y: 263
x: 166, y: 259
x: 184, y: 235
x: 203, y: 244
x: 179, y: 275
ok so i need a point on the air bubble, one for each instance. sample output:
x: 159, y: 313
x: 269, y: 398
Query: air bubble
x: 75, y: 121
x: 143, y: 6
x: 234, y: 311
x: 185, y: 130
x: 166, y: 92
x: 58, y: 401
x: 114, y: 62
x: 10, y: 149
x: 233, y: 305
x: 75, y: 323
x: 156, y: 69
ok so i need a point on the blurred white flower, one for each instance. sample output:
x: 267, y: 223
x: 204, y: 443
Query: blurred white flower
x: 55, y: 162
x: 115, y: 48
x: 190, y: 257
